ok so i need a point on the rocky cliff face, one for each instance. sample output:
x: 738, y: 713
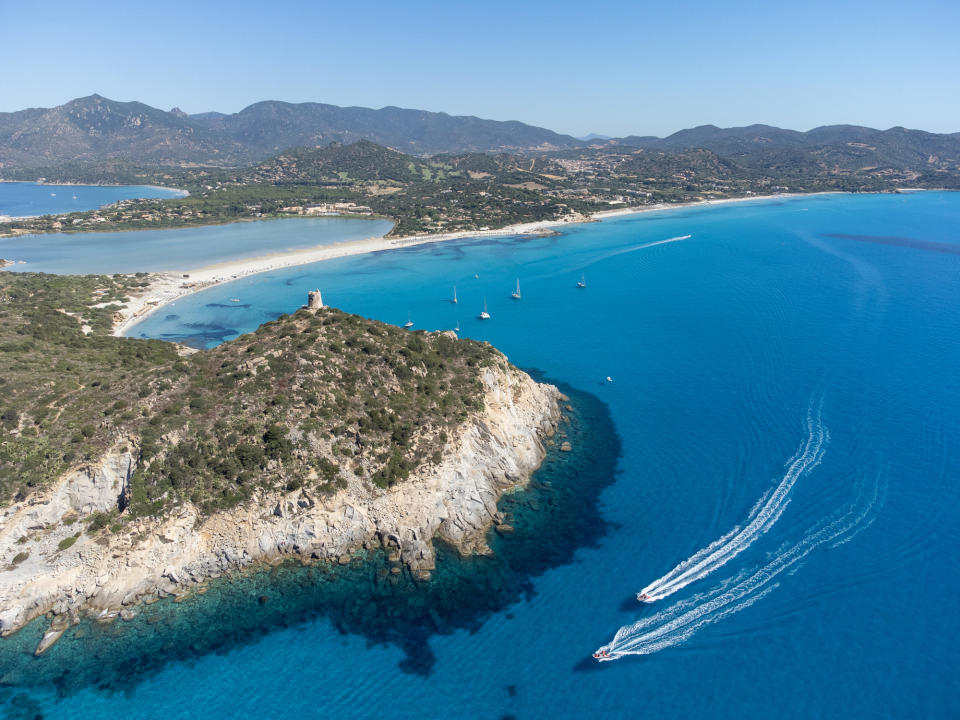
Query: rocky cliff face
x: 493, y: 451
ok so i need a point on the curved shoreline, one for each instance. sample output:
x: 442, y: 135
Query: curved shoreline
x: 167, y: 287
x: 180, y: 193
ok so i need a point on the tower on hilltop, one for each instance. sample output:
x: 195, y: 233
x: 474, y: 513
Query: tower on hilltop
x: 314, y: 300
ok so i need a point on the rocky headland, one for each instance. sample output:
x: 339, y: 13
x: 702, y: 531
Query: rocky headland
x: 70, y: 570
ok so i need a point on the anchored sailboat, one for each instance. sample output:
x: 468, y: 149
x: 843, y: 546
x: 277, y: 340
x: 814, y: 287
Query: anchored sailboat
x: 454, y: 301
x: 409, y: 323
x: 516, y: 293
x: 484, y: 315
x: 582, y: 283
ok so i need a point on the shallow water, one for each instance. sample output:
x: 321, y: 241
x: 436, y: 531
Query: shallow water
x: 781, y: 340
x: 19, y: 199
x: 180, y: 249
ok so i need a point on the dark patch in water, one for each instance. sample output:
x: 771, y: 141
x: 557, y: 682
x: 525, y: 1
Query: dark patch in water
x: 554, y: 516
x: 201, y: 340
x: 896, y: 241
x: 228, y: 305
x: 290, y: 282
x: 208, y: 335
x: 19, y: 706
x: 630, y: 604
x: 203, y: 326
x: 172, y: 317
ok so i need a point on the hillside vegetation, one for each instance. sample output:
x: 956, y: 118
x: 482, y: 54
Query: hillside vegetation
x: 300, y: 403
x: 429, y: 172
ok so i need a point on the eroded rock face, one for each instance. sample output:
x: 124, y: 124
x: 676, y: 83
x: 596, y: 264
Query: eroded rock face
x: 492, y: 451
x: 100, y: 487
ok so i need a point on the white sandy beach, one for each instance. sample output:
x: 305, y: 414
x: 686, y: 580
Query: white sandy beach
x: 167, y: 287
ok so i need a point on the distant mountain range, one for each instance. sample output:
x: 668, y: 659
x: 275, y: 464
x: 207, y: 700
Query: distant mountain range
x: 847, y: 146
x: 95, y: 129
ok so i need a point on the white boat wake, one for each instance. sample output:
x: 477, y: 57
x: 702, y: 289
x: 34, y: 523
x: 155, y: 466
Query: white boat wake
x: 761, y: 518
x: 681, y: 620
x: 634, y: 248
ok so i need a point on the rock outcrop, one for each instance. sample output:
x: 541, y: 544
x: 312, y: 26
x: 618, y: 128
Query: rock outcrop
x: 68, y: 571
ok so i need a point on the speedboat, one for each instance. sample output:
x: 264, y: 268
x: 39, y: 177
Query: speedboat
x: 644, y: 598
x: 601, y: 655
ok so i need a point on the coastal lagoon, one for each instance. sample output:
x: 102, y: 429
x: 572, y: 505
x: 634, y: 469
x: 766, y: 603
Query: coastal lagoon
x: 783, y: 393
x: 180, y: 249
x: 25, y: 199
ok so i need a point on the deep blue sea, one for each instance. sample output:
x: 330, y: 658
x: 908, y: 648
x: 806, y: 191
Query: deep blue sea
x: 19, y: 199
x: 775, y: 461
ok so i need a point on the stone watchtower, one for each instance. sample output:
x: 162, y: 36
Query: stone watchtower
x: 314, y: 300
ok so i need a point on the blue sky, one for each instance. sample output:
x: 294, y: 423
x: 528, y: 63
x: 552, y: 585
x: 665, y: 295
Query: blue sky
x: 614, y: 68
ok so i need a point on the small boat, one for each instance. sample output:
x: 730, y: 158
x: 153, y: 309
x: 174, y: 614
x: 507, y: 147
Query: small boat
x: 484, y: 315
x: 457, y: 327
x: 582, y: 283
x: 644, y: 598
x: 409, y: 323
x: 454, y: 301
x: 601, y: 655
x: 516, y: 293
x: 476, y: 276
x: 234, y: 299
x: 609, y: 379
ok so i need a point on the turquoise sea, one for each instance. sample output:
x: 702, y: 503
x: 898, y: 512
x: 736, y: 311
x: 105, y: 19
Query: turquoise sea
x: 181, y: 249
x: 774, y: 460
x: 19, y: 199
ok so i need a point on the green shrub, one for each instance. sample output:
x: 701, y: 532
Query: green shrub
x: 98, y: 521
x: 67, y: 542
x: 20, y: 557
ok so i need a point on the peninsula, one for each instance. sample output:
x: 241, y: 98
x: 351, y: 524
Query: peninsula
x: 131, y: 470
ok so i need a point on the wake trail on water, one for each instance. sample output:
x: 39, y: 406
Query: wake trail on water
x: 762, y: 517
x: 680, y: 621
x: 634, y: 248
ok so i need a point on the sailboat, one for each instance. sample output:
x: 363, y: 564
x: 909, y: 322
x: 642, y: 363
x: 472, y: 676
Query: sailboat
x: 409, y: 323
x: 454, y: 301
x: 516, y: 293
x: 582, y: 283
x: 457, y: 326
x: 484, y: 315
